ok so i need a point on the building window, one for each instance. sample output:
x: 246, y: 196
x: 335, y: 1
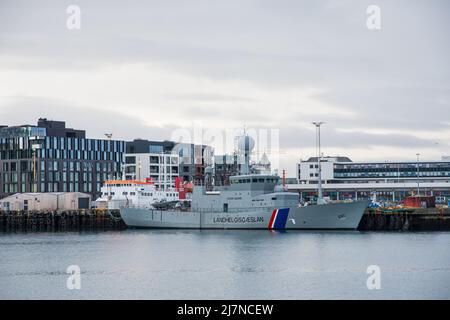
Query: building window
x: 130, y: 159
x: 154, y: 159
x: 156, y: 149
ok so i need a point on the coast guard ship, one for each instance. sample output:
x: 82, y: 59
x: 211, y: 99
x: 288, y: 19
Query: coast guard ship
x: 251, y: 201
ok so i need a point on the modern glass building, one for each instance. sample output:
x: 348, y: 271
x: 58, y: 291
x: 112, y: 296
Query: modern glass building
x: 402, y: 170
x: 48, y: 157
x: 343, y: 179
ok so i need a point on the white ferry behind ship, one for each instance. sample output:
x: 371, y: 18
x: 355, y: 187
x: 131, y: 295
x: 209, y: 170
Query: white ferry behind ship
x: 134, y: 193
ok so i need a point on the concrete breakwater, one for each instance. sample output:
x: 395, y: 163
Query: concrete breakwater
x: 431, y: 219
x: 73, y: 220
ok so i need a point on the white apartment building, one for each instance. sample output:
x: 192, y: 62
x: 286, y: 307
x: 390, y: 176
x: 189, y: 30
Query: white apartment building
x: 162, y: 168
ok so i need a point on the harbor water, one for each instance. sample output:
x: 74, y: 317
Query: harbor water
x: 220, y: 264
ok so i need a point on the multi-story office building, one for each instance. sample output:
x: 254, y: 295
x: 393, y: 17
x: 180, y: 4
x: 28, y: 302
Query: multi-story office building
x: 151, y: 159
x: 342, y: 178
x: 163, y: 161
x: 162, y: 168
x: 148, y: 146
x: 48, y: 157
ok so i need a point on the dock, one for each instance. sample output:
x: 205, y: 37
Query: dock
x: 430, y: 219
x: 57, y: 221
x: 408, y: 219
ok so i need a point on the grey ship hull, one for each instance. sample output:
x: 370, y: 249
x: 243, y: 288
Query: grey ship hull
x: 328, y: 216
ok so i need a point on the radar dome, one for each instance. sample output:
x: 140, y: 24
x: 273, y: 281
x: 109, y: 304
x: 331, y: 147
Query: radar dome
x: 246, y: 143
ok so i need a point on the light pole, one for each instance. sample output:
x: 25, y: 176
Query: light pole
x: 319, y: 165
x: 139, y: 170
x: 36, y: 145
x: 34, y: 169
x: 418, y: 175
x: 109, y: 137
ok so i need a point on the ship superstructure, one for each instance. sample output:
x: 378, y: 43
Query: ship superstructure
x: 134, y: 193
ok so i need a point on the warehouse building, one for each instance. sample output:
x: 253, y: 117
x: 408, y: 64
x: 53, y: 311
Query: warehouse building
x: 47, y: 201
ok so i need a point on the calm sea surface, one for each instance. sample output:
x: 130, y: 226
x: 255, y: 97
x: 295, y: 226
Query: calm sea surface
x: 160, y: 264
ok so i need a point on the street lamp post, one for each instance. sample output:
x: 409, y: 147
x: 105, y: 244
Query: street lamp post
x: 36, y: 145
x: 418, y: 175
x: 319, y: 164
x: 34, y: 171
x: 109, y: 137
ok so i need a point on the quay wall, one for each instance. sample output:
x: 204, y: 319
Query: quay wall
x: 70, y: 220
x: 431, y: 219
x: 420, y: 219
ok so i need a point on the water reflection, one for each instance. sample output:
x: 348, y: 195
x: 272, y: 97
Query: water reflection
x: 215, y: 264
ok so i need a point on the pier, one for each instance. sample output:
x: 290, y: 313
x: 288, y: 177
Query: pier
x: 53, y: 221
x: 431, y: 219
x: 417, y: 219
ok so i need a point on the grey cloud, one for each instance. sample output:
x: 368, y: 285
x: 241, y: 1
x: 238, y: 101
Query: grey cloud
x: 297, y: 137
x: 208, y: 97
x: 394, y: 78
x: 94, y: 121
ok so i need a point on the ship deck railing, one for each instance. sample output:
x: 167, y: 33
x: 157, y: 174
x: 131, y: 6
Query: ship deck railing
x: 200, y: 210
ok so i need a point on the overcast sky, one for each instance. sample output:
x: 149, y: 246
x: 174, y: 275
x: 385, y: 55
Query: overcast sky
x: 146, y: 68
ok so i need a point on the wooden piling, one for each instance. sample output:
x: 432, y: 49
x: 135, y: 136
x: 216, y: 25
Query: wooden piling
x: 431, y: 219
x: 50, y: 221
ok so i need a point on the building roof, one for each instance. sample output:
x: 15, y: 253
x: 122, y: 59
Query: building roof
x: 36, y: 194
x: 52, y: 129
x: 336, y: 158
x: 134, y: 182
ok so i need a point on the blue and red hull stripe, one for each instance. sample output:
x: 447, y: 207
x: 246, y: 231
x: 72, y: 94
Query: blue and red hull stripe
x: 278, y: 219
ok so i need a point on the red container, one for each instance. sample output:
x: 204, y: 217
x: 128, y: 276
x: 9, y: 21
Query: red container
x: 420, y: 202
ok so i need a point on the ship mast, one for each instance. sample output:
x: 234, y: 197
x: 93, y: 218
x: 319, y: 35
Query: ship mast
x: 319, y: 164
